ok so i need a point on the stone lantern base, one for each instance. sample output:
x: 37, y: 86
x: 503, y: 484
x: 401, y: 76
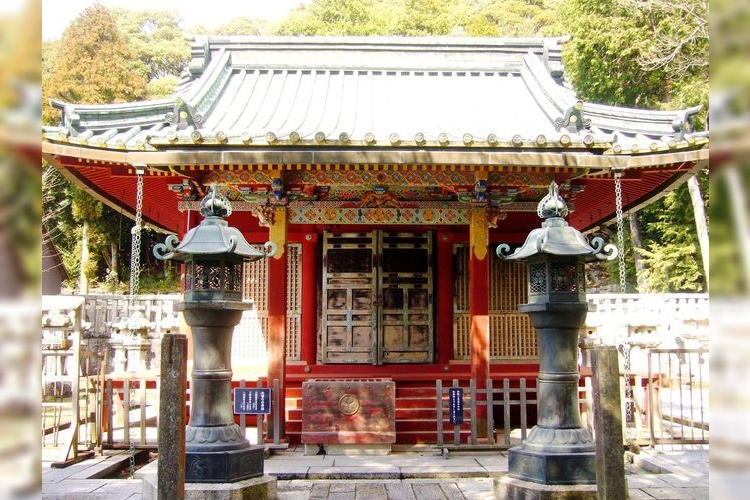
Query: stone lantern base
x: 517, y: 489
x: 552, y: 468
x: 259, y: 488
x: 223, y: 466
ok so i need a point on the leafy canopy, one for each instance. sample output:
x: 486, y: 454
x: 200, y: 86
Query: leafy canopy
x: 94, y: 64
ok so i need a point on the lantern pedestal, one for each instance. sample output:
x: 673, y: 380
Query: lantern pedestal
x: 558, y: 450
x: 216, y: 451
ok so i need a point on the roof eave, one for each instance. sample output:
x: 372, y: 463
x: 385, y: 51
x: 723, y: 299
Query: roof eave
x: 370, y: 155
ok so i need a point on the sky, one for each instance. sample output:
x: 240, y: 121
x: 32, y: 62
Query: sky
x: 58, y: 14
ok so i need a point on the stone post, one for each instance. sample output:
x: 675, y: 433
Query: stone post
x: 610, y: 465
x: 171, y: 471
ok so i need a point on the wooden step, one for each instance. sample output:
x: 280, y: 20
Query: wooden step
x: 415, y: 413
x: 416, y: 403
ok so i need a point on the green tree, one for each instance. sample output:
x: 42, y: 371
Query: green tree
x: 607, y: 42
x: 157, y: 40
x: 336, y: 17
x: 672, y: 254
x: 242, y: 26
x: 513, y: 18
x: 92, y: 64
x: 428, y: 17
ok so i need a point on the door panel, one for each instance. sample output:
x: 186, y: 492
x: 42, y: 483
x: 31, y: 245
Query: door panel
x: 349, y: 314
x: 405, y: 282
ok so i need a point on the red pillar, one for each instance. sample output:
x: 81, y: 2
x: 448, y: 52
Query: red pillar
x: 479, y: 339
x: 444, y: 299
x: 277, y: 288
x: 309, y: 326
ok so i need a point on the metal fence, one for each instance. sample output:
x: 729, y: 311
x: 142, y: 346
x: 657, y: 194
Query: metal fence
x: 678, y: 393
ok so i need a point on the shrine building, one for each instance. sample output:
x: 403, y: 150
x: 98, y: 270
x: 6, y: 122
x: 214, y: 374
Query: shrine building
x: 386, y: 171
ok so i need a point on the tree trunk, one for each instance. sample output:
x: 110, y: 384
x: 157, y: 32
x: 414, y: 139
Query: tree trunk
x: 637, y: 243
x: 83, y: 280
x: 115, y: 263
x: 699, y: 211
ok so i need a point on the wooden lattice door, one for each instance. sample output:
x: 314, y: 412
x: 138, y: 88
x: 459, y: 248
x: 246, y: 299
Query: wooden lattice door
x: 377, y: 298
x: 405, y: 282
x: 349, y: 310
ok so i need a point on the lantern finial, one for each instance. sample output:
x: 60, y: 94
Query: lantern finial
x: 215, y: 204
x: 552, y: 205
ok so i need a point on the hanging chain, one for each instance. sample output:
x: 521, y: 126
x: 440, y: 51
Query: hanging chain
x: 620, y: 231
x: 135, y: 249
x: 131, y: 444
x: 623, y: 289
x: 135, y: 272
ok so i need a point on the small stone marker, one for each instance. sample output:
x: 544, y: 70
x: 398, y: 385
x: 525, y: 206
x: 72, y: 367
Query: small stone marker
x: 171, y: 470
x: 610, y: 464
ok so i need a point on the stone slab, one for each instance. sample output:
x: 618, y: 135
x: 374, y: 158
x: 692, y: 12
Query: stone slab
x: 682, y: 493
x: 442, y: 472
x: 257, y: 488
x: 372, y: 472
x: 509, y: 488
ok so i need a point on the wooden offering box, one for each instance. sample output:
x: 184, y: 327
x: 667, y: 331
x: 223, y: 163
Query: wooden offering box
x: 349, y: 411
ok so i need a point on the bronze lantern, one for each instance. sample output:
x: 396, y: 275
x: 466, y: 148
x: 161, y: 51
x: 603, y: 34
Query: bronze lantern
x: 558, y: 450
x: 213, y: 254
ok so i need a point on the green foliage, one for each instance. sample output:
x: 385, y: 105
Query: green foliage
x: 427, y: 17
x: 157, y: 281
x: 672, y: 256
x: 162, y: 87
x: 422, y: 18
x: 49, y: 58
x: 336, y: 17
x: 602, y: 54
x: 156, y: 38
x: 513, y: 18
x: 241, y: 26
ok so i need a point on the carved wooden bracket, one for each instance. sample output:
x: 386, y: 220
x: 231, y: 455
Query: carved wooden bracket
x: 495, y: 214
x: 266, y: 214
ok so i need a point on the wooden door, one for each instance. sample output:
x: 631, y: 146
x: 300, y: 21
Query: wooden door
x: 405, y: 283
x: 349, y: 318
x: 377, y: 298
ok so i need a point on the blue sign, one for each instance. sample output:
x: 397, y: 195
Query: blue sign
x: 456, y: 405
x: 251, y: 401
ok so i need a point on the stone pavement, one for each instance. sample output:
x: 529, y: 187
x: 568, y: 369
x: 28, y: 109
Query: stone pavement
x: 420, y: 473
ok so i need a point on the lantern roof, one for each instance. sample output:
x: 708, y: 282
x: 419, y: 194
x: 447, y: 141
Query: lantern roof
x: 556, y: 237
x: 213, y: 236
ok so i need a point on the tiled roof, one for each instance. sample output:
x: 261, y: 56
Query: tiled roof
x: 356, y: 92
